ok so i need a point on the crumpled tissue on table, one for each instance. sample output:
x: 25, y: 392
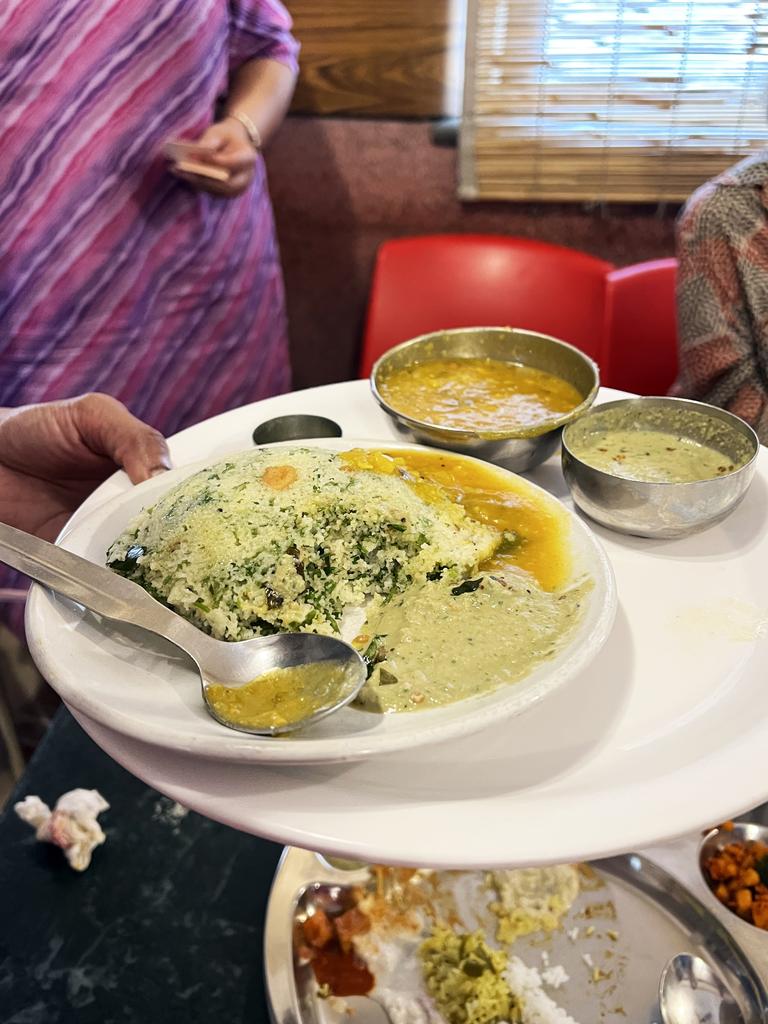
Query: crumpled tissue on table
x: 72, y: 824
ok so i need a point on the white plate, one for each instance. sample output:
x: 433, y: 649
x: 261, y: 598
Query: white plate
x: 664, y: 734
x: 140, y: 685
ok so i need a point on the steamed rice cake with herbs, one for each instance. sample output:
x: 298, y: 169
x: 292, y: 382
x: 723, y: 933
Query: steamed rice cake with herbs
x: 288, y: 539
x: 449, y: 578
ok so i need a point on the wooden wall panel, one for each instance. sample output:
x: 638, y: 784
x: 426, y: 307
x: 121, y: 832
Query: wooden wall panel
x: 378, y: 58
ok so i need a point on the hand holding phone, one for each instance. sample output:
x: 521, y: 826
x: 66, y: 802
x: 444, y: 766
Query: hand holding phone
x: 222, y: 161
x: 191, y: 157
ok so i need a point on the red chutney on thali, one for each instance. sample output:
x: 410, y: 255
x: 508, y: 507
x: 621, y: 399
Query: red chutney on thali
x: 326, y: 942
x: 325, y: 938
x: 344, y: 974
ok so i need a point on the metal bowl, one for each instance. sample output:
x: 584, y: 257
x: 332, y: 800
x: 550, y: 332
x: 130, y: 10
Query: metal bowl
x: 661, y: 509
x: 295, y: 427
x: 716, y: 839
x: 514, y: 450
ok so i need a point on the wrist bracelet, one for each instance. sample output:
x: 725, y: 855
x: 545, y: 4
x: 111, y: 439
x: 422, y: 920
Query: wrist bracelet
x: 253, y: 133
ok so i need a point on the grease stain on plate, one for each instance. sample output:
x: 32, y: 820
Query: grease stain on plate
x: 726, y: 619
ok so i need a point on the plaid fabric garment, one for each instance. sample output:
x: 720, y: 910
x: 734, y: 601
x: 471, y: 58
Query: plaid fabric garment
x: 723, y: 293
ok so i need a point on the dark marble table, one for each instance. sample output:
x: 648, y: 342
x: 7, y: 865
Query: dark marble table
x: 165, y: 925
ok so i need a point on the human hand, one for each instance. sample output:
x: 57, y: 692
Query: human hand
x: 231, y: 150
x: 54, y: 454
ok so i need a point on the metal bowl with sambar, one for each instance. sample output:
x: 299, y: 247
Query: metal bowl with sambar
x: 517, y: 448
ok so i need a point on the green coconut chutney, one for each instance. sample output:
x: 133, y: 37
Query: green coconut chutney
x: 652, y: 456
x: 445, y: 642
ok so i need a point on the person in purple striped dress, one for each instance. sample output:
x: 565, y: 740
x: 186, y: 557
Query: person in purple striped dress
x: 119, y: 273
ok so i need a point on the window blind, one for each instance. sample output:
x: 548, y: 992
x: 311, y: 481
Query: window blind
x: 610, y: 99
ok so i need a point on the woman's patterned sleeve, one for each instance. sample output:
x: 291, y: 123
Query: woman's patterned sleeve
x: 261, y: 29
x: 718, y: 361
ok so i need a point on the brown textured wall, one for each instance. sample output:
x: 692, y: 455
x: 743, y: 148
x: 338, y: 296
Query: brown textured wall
x: 341, y: 187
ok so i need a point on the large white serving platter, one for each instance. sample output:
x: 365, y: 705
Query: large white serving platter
x: 665, y: 732
x: 141, y: 686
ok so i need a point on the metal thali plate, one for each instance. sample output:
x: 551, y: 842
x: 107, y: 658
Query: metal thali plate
x: 627, y: 923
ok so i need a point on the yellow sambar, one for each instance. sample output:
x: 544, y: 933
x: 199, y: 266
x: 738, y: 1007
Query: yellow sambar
x: 478, y: 394
x: 491, y: 497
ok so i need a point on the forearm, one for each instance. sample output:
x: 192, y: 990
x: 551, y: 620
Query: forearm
x: 262, y: 90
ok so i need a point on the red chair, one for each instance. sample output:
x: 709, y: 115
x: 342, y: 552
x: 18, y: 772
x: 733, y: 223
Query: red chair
x: 641, y: 328
x: 436, y: 282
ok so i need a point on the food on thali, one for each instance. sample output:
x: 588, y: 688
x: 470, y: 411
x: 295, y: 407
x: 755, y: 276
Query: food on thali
x: 532, y: 899
x: 738, y: 876
x: 465, y: 978
x: 652, y: 456
x: 423, y: 944
x: 450, y: 577
x: 484, y: 395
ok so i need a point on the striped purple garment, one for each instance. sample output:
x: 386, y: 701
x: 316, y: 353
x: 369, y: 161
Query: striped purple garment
x: 114, y: 275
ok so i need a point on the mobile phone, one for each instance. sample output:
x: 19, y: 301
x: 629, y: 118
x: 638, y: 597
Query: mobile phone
x: 202, y: 170
x: 182, y: 149
x: 190, y: 157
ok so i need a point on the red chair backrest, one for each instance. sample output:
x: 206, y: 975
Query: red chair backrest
x: 641, y: 328
x: 437, y: 282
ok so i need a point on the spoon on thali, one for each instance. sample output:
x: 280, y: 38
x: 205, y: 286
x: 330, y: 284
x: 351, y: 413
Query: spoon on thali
x: 691, y: 993
x: 265, y: 686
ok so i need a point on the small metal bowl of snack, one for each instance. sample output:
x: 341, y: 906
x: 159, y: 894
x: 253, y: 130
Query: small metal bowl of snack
x: 497, y: 393
x: 658, y: 467
x: 733, y: 860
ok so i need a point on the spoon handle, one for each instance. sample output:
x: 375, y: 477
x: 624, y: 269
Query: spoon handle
x: 98, y: 589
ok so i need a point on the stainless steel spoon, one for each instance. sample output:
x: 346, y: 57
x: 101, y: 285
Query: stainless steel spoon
x: 339, y: 668
x: 691, y: 993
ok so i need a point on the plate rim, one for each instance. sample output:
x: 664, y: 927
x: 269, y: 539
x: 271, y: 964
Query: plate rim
x: 613, y: 818
x: 41, y: 605
x: 404, y: 851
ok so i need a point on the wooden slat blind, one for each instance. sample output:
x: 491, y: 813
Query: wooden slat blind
x: 610, y: 99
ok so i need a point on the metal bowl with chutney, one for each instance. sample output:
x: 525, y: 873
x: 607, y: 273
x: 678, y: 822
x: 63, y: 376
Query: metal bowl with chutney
x: 658, y: 467
x: 516, y: 449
